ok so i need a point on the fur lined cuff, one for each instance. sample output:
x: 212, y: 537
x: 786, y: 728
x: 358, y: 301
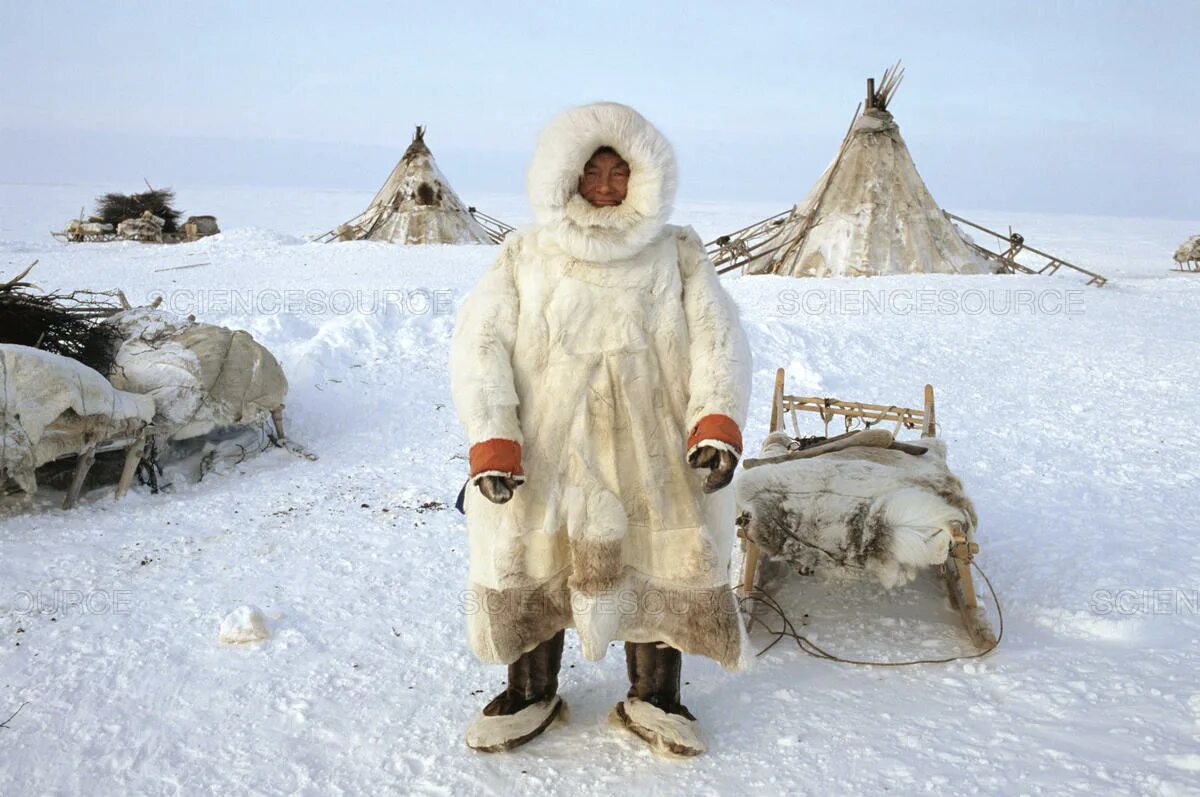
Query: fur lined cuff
x: 519, y: 478
x: 716, y: 427
x: 720, y: 445
x: 496, y: 457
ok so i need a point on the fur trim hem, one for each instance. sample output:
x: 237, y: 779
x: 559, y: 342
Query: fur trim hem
x: 595, y: 565
x: 505, y: 731
x: 698, y: 621
x: 667, y: 734
x: 701, y: 621
x: 504, y: 623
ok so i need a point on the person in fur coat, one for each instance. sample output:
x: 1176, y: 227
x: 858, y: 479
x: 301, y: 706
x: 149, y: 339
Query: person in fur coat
x: 602, y: 378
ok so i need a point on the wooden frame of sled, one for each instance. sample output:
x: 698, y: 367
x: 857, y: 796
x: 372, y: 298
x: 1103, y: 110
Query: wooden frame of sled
x: 1006, y: 260
x: 99, y: 436
x: 736, y: 249
x: 955, y: 572
x: 497, y: 230
x: 186, y: 235
x: 137, y: 441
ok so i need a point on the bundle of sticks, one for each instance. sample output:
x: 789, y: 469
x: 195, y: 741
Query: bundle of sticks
x: 115, y: 208
x: 70, y: 324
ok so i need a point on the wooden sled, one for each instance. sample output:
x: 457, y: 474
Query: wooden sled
x: 955, y: 572
x: 138, y: 441
x: 497, y: 230
x: 132, y: 438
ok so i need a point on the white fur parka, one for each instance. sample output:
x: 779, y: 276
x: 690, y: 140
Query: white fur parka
x: 597, y: 351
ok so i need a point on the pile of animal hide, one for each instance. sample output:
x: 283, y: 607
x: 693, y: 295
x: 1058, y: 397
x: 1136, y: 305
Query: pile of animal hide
x: 148, y: 217
x: 1189, y: 250
x: 883, y: 511
x: 77, y: 230
x: 52, y: 406
x: 76, y: 372
x: 146, y: 227
x: 200, y: 376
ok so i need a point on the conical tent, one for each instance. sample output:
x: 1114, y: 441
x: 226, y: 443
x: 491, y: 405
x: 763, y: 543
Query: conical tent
x: 869, y: 213
x: 416, y: 205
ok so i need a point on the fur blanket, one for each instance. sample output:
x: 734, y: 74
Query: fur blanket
x: 881, y: 511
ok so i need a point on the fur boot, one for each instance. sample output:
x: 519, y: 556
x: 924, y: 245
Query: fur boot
x: 527, y: 706
x: 651, y: 709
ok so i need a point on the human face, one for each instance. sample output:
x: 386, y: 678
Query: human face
x: 605, y: 180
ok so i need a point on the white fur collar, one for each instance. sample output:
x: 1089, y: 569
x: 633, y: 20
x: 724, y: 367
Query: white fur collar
x: 567, y: 220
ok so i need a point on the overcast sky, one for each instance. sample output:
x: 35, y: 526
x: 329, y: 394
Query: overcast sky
x: 1073, y: 107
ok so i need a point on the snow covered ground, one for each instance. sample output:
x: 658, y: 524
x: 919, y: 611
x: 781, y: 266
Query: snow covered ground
x: 1065, y: 408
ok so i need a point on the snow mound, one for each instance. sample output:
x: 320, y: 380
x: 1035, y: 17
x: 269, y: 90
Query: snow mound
x: 246, y: 238
x: 244, y: 624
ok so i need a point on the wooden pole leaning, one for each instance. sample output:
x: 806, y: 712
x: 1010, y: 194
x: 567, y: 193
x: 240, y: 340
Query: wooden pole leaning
x: 133, y: 455
x: 83, y: 464
x: 750, y: 566
x: 956, y: 570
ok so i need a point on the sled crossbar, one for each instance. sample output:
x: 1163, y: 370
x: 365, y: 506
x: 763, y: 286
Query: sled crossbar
x: 868, y: 414
x: 738, y: 248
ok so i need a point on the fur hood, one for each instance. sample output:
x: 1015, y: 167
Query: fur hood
x: 568, y: 222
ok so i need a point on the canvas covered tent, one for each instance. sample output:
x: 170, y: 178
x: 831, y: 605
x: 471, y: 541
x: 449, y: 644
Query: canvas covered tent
x: 868, y: 214
x: 416, y: 205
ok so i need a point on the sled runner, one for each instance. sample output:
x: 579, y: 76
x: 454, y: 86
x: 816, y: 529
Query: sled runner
x: 860, y: 500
